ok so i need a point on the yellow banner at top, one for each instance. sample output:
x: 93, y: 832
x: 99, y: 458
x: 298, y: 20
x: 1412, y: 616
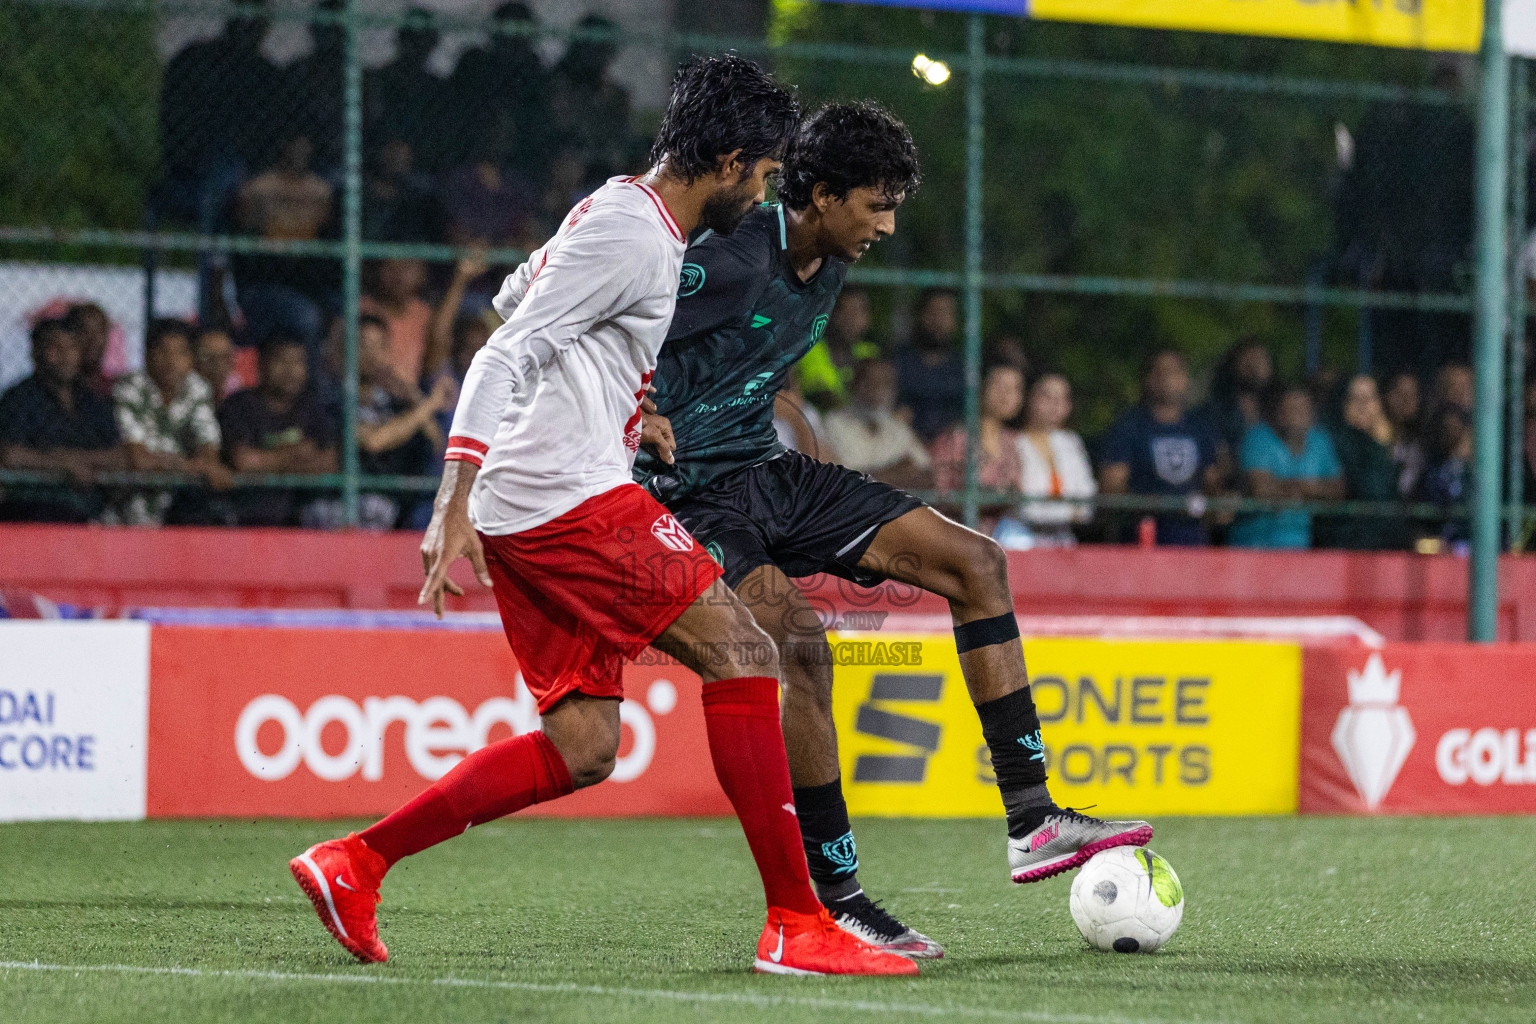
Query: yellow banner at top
x: 1417, y: 24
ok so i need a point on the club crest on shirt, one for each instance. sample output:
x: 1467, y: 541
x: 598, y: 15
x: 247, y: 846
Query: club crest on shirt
x: 672, y: 533
x: 1175, y: 459
x: 691, y: 281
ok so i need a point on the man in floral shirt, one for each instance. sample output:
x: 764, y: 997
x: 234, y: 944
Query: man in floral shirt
x: 165, y: 415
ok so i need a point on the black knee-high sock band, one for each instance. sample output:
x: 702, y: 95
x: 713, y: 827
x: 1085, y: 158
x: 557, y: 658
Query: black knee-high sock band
x: 829, y: 848
x: 986, y: 632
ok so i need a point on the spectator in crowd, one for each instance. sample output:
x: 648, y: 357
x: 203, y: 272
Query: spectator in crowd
x: 1055, y: 465
x: 394, y: 296
x: 1239, y: 390
x: 1454, y: 385
x: 930, y: 374
x: 399, y: 204
x: 314, y: 86
x: 52, y: 422
x: 289, y: 202
x: 488, y: 203
x: 166, y: 421
x: 453, y: 337
x: 1401, y: 402
x: 868, y: 435
x: 217, y: 101
x: 501, y: 94
x: 92, y: 329
x: 213, y: 357
x: 997, y: 450
x: 1159, y: 448
x: 1363, y: 440
x: 397, y: 431
x: 404, y: 102
x: 278, y: 426
x: 1287, y: 457
x: 798, y: 422
x: 827, y: 369
x: 587, y: 105
x: 1448, y: 469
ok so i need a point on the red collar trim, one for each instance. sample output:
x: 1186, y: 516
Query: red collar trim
x: 661, y: 208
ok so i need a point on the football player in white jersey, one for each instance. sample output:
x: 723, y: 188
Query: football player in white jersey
x: 587, y: 568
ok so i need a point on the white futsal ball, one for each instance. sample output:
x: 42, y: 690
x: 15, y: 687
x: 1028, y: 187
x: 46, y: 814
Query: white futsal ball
x: 1127, y: 900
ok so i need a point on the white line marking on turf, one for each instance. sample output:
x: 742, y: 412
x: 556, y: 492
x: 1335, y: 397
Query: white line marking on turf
x: 744, y: 998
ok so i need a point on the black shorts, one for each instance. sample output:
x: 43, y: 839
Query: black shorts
x: 796, y: 513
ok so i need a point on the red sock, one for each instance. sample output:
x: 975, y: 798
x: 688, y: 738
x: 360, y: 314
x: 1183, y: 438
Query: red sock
x: 492, y: 782
x: 747, y: 746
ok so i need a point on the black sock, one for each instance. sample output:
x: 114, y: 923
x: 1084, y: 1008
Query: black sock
x: 828, y: 839
x: 1012, y: 730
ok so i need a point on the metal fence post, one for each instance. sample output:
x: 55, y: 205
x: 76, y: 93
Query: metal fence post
x: 974, y: 149
x: 351, y: 264
x: 1492, y: 173
x: 1519, y: 115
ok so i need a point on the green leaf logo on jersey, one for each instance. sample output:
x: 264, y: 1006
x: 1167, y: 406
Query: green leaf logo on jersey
x: 713, y: 550
x: 818, y: 328
x: 757, y: 382
x: 692, y: 280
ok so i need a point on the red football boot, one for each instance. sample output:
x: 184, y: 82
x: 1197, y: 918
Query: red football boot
x: 795, y: 943
x: 341, y: 878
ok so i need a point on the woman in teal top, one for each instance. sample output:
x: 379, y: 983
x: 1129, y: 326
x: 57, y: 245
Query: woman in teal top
x: 1288, y: 457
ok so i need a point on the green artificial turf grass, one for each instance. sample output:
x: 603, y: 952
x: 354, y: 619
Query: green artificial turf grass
x: 1286, y: 920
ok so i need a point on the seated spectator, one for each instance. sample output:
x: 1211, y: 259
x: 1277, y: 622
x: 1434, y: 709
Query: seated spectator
x: 1363, y: 440
x: 1055, y: 465
x: 394, y: 296
x: 289, y: 202
x: 397, y: 431
x: 1454, y: 385
x: 92, y: 329
x: 314, y: 88
x: 485, y: 202
x: 166, y: 420
x: 278, y: 426
x: 399, y: 205
x: 500, y: 93
x: 213, y: 357
x: 1161, y: 449
x: 868, y: 435
x: 1448, y: 470
x: 798, y: 423
x: 404, y: 99
x: 1401, y: 402
x: 588, y: 107
x: 997, y: 450
x: 53, y: 422
x: 1239, y: 390
x: 827, y: 369
x: 930, y: 373
x: 1288, y: 457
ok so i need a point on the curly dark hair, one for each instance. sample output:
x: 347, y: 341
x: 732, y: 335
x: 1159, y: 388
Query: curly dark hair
x: 847, y: 146
x: 720, y: 105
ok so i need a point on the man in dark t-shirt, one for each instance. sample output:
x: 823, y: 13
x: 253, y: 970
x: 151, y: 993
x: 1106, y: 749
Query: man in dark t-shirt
x: 750, y: 305
x: 52, y: 421
x: 279, y: 426
x: 1160, y: 448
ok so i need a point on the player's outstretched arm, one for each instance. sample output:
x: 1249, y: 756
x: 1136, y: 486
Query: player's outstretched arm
x: 450, y: 536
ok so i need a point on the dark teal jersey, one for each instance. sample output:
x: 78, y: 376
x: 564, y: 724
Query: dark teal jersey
x: 743, y: 319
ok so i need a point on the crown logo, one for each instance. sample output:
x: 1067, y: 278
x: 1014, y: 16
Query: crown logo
x: 1374, y: 684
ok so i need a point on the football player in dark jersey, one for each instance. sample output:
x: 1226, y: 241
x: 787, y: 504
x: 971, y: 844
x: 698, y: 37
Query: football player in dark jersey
x: 750, y: 305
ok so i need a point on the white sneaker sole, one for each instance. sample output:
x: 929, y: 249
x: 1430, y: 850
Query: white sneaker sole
x: 762, y: 966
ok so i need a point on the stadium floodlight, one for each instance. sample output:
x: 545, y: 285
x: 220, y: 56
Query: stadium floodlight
x: 934, y: 72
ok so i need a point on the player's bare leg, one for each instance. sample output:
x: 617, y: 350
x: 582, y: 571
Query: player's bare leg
x: 717, y: 638
x: 970, y: 570
x: 810, y: 738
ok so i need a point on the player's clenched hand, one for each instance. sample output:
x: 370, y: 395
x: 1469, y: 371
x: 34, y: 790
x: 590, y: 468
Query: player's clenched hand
x: 449, y: 537
x: 656, y: 431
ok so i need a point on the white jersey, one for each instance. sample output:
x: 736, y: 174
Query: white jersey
x: 550, y: 409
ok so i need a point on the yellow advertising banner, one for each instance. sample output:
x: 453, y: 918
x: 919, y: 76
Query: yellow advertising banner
x: 1419, y: 24
x: 1133, y: 727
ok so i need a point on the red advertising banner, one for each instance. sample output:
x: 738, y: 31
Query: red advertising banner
x: 329, y: 723
x: 1419, y: 729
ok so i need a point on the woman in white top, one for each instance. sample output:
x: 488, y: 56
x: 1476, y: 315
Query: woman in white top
x: 1055, y: 465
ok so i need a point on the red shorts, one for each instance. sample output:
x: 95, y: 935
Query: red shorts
x: 582, y: 593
